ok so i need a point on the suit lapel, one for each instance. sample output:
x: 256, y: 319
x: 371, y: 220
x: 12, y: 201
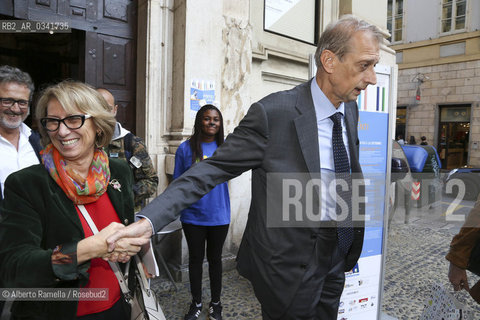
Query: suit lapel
x: 306, y: 127
x: 65, y: 205
x: 72, y: 214
x: 351, y: 120
x: 117, y: 202
x: 120, y: 199
x: 307, y: 131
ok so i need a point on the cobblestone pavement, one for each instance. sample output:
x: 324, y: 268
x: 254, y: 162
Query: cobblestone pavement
x: 238, y: 299
x: 415, y: 260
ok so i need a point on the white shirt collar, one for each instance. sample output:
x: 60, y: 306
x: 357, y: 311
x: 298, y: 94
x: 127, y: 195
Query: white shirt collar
x: 324, y: 108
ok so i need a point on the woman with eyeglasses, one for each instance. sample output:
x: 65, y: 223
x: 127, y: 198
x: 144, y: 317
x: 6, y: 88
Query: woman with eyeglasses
x: 45, y: 241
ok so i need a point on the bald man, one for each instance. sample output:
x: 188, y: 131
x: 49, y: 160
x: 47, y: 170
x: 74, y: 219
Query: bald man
x: 125, y: 145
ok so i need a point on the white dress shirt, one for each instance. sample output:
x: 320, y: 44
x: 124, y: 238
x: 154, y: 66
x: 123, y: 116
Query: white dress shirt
x: 13, y: 159
x: 323, y: 110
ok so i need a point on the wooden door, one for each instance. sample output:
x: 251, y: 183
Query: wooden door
x: 110, y: 64
x: 109, y: 55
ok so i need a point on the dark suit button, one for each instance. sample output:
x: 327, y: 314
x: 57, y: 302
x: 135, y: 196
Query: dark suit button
x: 303, y: 266
x: 125, y: 221
x: 313, y: 236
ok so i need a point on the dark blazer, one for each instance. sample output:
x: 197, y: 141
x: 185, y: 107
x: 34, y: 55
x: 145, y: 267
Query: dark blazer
x: 278, y: 135
x: 36, y: 217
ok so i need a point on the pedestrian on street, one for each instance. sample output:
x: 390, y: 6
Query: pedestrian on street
x: 424, y: 141
x: 412, y: 141
x: 207, y: 220
x: 297, y: 272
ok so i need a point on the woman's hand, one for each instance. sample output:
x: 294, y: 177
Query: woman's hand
x: 124, y: 249
x: 96, y: 245
x: 458, y: 278
x: 135, y: 234
x: 141, y: 230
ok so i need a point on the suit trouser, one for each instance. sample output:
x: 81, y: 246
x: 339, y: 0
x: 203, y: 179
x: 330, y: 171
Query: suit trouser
x: 318, y: 295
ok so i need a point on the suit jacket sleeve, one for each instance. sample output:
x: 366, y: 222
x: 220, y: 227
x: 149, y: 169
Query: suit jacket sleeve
x: 242, y: 150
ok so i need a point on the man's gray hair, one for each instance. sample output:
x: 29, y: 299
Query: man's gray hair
x: 336, y: 36
x: 12, y: 74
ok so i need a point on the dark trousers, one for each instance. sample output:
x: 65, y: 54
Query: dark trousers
x: 318, y: 295
x: 214, y: 237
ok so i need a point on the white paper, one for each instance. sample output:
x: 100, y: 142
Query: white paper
x: 148, y: 259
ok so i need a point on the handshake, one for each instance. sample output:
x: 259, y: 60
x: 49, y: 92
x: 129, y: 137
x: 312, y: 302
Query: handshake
x: 116, y: 242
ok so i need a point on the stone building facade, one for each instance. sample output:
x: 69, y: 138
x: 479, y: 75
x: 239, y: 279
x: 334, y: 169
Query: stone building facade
x: 437, y: 46
x: 151, y: 53
x: 447, y: 85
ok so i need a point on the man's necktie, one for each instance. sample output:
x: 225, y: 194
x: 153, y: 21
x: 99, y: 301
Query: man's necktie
x: 342, y: 173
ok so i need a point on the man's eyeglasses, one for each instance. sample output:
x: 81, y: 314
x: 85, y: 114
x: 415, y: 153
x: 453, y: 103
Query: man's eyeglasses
x: 10, y: 102
x: 71, y: 122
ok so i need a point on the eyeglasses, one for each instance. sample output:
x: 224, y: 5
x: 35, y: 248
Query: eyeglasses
x: 71, y: 122
x: 10, y: 102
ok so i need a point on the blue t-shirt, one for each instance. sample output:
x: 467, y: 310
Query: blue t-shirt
x: 213, y: 209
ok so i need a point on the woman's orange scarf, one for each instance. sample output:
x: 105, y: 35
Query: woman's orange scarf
x: 77, y: 189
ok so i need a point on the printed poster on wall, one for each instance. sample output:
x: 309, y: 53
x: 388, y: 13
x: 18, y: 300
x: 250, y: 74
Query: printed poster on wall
x: 361, y: 296
x: 202, y: 92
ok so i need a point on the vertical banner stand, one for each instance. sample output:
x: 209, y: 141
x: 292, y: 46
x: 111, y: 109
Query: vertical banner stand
x: 361, y: 298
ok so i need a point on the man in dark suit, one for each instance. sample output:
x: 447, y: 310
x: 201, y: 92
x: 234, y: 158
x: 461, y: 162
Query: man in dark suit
x: 297, y: 270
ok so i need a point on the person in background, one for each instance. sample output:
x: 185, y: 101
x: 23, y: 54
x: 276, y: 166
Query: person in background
x: 400, y: 140
x: 297, y: 272
x: 46, y: 241
x: 19, y: 145
x: 127, y: 146
x: 461, y: 248
x: 412, y: 141
x: 207, y: 220
x: 424, y: 141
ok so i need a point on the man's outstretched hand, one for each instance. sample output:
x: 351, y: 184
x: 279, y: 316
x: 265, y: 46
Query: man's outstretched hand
x: 142, y: 230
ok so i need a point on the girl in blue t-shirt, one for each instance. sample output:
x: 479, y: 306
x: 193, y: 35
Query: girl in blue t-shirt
x: 207, y: 220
